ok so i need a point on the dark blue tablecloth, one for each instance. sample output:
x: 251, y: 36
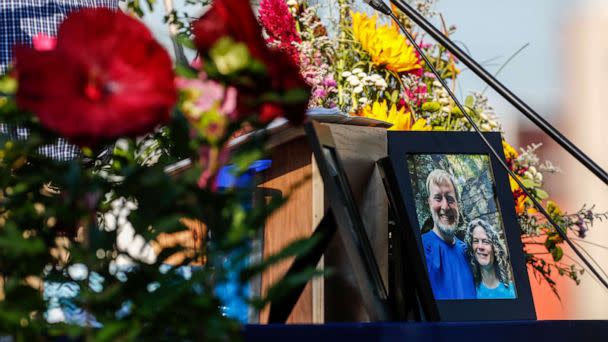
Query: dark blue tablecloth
x: 518, y: 331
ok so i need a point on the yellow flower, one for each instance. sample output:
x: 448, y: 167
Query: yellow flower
x: 401, y: 120
x: 553, y: 209
x: 421, y: 125
x: 384, y: 44
x: 510, y: 152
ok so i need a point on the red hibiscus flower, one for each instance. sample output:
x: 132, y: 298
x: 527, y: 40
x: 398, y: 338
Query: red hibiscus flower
x: 107, y: 77
x: 235, y: 19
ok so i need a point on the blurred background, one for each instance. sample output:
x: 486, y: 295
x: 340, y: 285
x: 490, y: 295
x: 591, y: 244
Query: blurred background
x: 555, y: 58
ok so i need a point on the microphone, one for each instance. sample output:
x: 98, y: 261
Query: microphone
x: 379, y: 6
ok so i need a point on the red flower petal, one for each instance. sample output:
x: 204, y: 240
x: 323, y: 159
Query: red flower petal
x: 232, y: 18
x: 106, y: 78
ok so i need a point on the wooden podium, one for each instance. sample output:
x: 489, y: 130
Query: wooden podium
x: 294, y: 173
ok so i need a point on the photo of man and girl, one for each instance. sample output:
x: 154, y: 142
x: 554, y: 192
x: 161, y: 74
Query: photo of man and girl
x: 461, y: 227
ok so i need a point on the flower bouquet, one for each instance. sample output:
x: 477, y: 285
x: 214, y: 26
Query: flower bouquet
x: 366, y: 67
x: 112, y: 226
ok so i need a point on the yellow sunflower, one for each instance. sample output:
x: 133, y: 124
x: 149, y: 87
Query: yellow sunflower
x: 384, y: 44
x: 510, y: 152
x: 401, y: 120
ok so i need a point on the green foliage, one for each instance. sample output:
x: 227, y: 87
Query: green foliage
x: 55, y: 215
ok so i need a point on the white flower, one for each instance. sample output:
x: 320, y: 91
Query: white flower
x: 363, y: 99
x: 381, y: 84
x: 55, y: 315
x: 376, y: 77
x: 362, y: 75
x: 109, y: 220
x: 358, y: 89
x: 292, y: 3
x: 354, y: 81
x: 124, y: 236
x: 346, y: 74
x: 357, y: 71
x: 78, y: 272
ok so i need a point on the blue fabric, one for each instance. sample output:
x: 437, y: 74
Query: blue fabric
x: 448, y: 268
x: 231, y: 293
x: 500, y: 292
x: 226, y: 176
x: 20, y: 20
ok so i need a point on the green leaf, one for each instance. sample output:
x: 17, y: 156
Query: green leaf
x: 297, y: 247
x: 8, y: 85
x: 557, y: 253
x: 395, y: 96
x: 550, y: 244
x: 541, y: 194
x: 468, y: 102
x: 529, y: 183
x: 185, y: 41
x: 111, y: 331
x: 431, y: 106
x: 281, y: 288
x: 185, y: 71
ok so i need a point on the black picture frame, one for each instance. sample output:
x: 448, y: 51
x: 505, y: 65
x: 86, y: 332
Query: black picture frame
x: 395, y: 169
x: 349, y: 222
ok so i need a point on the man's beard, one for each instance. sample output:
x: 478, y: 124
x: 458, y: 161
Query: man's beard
x: 446, y: 230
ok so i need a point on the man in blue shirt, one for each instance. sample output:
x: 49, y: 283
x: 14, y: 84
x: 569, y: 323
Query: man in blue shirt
x: 447, y: 265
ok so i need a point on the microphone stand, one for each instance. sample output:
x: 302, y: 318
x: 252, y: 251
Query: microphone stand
x: 380, y: 6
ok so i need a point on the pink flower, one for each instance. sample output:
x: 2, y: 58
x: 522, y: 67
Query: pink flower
x: 43, y: 42
x: 417, y: 94
x: 204, y: 95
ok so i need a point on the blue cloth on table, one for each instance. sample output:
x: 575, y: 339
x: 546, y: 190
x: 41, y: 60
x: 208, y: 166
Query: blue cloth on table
x: 448, y: 268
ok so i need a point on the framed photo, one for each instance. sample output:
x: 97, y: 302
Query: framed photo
x: 452, y: 199
x: 343, y: 207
